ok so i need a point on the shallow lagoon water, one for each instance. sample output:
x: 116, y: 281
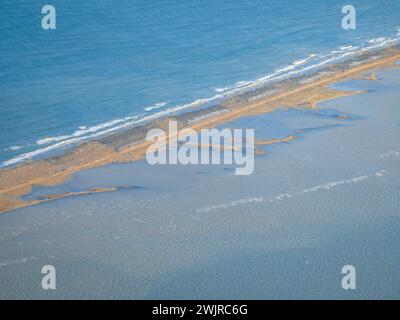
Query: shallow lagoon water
x: 327, y: 199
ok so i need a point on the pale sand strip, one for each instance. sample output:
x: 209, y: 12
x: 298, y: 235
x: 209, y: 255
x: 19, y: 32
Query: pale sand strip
x: 18, y: 181
x: 51, y: 197
x: 272, y: 141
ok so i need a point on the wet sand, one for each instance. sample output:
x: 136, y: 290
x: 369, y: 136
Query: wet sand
x: 313, y: 204
x: 272, y: 141
x: 130, y: 145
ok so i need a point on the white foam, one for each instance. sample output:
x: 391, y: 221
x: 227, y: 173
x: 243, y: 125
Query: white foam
x: 380, y: 173
x: 82, y: 132
x: 78, y: 137
x: 391, y: 153
x: 16, y: 261
x: 301, y: 66
x: 15, y: 148
x: 381, y: 43
x: 377, y: 40
x: 156, y: 106
x: 220, y: 90
x: 303, y: 61
x: 282, y: 196
x: 346, y: 48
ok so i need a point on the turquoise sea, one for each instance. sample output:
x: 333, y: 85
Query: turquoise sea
x: 327, y: 199
x: 109, y: 65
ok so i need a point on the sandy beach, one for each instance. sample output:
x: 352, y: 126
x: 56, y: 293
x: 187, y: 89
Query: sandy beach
x: 168, y: 152
x: 304, y: 91
x: 324, y: 194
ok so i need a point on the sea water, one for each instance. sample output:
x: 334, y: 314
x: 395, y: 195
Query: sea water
x: 327, y: 199
x: 110, y: 65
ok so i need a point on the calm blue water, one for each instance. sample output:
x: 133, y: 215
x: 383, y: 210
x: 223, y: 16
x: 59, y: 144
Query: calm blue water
x: 193, y: 232
x: 110, y: 63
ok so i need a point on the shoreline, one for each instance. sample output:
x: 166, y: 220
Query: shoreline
x: 129, y: 145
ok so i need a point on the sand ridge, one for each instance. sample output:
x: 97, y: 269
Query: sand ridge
x: 18, y: 181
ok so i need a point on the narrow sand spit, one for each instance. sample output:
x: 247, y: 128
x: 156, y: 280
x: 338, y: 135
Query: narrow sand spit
x: 304, y: 91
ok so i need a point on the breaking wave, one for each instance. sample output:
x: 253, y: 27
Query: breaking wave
x: 310, y: 63
x: 280, y: 197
